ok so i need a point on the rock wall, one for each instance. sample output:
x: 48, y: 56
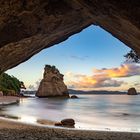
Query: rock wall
x: 28, y: 26
x: 52, y: 84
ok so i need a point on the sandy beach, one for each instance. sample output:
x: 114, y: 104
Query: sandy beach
x: 10, y: 130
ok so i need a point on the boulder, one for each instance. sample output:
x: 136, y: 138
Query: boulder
x: 73, y: 97
x: 132, y: 91
x: 68, y: 122
x: 52, y: 84
x: 58, y: 124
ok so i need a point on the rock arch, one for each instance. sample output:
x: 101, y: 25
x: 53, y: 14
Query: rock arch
x: 27, y: 27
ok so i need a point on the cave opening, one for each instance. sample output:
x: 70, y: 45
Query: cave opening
x: 91, y: 61
x: 87, y: 55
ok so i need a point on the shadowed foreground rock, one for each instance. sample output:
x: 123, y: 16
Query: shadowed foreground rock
x: 52, y: 84
x: 69, y: 123
x: 28, y: 26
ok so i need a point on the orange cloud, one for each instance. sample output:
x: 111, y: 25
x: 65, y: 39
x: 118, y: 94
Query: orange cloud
x: 124, y: 70
x: 103, y: 77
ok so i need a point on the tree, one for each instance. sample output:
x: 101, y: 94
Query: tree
x: 8, y: 83
x: 132, y: 57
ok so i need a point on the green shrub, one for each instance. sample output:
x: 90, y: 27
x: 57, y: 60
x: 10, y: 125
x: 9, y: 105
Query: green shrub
x: 10, y: 84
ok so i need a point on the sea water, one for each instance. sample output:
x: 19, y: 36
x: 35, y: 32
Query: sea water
x: 94, y: 112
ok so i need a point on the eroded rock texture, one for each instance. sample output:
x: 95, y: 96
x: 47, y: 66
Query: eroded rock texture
x: 52, y: 84
x: 28, y: 26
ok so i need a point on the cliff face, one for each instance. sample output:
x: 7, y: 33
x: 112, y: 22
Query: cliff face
x: 52, y: 83
x: 28, y: 26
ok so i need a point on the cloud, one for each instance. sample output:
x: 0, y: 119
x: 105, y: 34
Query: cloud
x: 94, y: 82
x: 82, y: 58
x: 103, y: 77
x: 125, y: 70
x: 137, y: 85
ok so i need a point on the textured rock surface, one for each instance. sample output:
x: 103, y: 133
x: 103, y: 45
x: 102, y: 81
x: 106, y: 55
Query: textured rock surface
x: 132, y: 91
x: 27, y: 27
x: 52, y: 84
x: 66, y: 123
x: 69, y: 122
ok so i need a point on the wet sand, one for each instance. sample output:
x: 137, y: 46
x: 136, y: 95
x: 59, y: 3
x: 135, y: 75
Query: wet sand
x: 10, y: 130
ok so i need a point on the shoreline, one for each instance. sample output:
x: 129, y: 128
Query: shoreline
x: 8, y: 100
x: 11, y: 130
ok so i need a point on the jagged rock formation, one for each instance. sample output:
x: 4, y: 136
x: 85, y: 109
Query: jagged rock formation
x: 28, y: 26
x: 132, y: 91
x: 52, y: 84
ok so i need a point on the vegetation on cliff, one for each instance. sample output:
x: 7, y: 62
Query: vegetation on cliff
x: 10, y: 84
x: 132, y: 57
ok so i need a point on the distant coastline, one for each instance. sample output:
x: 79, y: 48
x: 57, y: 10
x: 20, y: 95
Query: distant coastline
x: 91, y: 92
x: 98, y: 92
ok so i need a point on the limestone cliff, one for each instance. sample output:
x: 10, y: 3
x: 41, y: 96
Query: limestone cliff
x: 52, y: 83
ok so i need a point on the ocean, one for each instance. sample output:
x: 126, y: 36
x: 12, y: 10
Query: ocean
x: 90, y: 112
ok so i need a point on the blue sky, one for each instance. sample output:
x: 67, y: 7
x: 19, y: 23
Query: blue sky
x: 92, y: 48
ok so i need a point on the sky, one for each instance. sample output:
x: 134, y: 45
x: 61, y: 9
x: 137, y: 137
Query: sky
x: 90, y: 60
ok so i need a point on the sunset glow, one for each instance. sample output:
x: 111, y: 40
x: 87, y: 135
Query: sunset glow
x: 104, y: 78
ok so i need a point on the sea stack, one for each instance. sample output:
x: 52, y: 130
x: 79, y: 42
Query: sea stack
x: 52, y: 84
x: 132, y: 91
